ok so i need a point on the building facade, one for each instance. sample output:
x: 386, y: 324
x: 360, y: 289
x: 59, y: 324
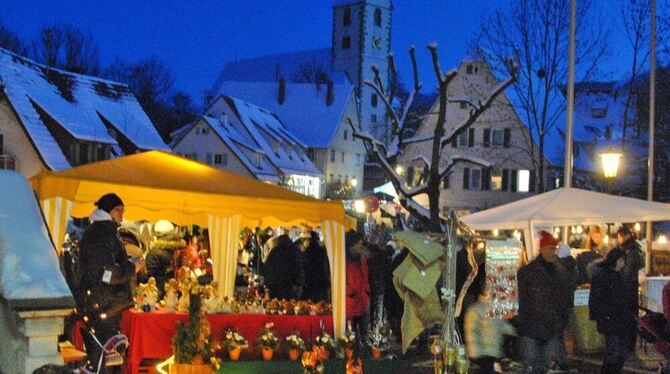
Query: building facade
x: 498, y: 137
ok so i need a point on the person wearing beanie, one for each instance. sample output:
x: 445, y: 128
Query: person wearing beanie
x: 544, y: 285
x: 609, y: 303
x: 106, y: 276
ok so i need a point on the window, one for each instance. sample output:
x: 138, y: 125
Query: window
x: 496, y: 180
x: 100, y: 152
x: 486, y: 179
x: 332, y: 155
x: 475, y: 179
x: 523, y: 184
x: 463, y: 139
x: 471, y: 69
x: 339, y: 178
x: 463, y: 105
x: 343, y: 157
x: 373, y: 118
x: 599, y: 111
x: 358, y: 159
x: 83, y: 153
x: 378, y: 17
x: 487, y: 138
x: 346, y: 134
x: 221, y: 159
x: 202, y: 131
x: 466, y: 178
x: 471, y: 138
x: 209, y: 159
x: 498, y: 138
x: 346, y: 17
x: 346, y: 42
x: 373, y: 100
x: 346, y: 179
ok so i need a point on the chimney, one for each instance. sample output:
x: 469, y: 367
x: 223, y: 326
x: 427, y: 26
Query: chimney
x: 329, y: 93
x: 282, y: 91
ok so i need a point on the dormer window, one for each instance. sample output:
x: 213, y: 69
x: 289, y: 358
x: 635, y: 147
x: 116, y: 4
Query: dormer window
x: 346, y: 17
x: 471, y: 69
x: 378, y: 17
x: 599, y: 109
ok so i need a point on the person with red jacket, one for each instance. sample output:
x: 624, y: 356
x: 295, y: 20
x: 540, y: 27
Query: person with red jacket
x: 358, y: 287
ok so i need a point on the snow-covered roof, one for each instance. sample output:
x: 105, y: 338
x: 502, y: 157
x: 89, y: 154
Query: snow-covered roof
x: 305, y: 109
x: 30, y: 276
x: 263, y: 133
x: 80, y: 104
x: 271, y: 67
x: 384, y: 3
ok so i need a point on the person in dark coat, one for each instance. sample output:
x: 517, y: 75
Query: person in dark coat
x: 283, y: 269
x: 316, y: 268
x: 377, y: 264
x: 106, y: 273
x: 543, y: 310
x: 392, y: 302
x: 609, y: 302
x: 358, y: 286
x: 634, y: 262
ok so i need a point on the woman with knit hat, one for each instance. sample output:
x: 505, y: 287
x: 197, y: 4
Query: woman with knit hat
x: 106, y: 274
x: 609, y: 306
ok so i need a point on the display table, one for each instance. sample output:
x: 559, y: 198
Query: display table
x: 333, y: 366
x: 150, y: 334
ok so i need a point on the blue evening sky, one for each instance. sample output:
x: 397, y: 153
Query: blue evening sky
x: 197, y: 38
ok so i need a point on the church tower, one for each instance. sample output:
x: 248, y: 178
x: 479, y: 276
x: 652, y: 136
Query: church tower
x: 361, y: 39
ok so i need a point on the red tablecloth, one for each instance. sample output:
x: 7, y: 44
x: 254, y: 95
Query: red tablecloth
x: 150, y: 334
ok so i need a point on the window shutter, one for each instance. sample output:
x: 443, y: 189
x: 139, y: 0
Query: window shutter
x: 505, y: 179
x: 531, y: 188
x: 466, y: 178
x: 486, y: 179
x: 513, y: 181
x: 487, y: 138
x: 471, y: 138
x: 507, y: 138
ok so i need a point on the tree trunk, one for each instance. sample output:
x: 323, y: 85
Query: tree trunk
x: 434, y: 176
x: 540, y: 168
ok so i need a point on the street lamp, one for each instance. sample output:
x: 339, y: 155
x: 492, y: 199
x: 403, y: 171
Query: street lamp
x: 354, y: 182
x: 610, y: 162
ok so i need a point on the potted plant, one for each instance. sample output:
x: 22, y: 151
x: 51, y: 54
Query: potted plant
x: 347, y: 342
x: 378, y: 340
x: 234, y: 342
x: 323, y: 344
x: 295, y: 345
x: 190, y: 343
x: 267, y: 341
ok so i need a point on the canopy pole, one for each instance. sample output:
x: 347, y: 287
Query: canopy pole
x: 652, y: 120
x: 567, y: 173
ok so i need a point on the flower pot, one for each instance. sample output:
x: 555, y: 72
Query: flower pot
x: 190, y: 369
x: 267, y: 354
x: 234, y: 353
x: 293, y: 354
x: 348, y: 353
x: 376, y: 352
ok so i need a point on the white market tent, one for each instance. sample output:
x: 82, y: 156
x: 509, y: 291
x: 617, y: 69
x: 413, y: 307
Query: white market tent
x: 564, y: 207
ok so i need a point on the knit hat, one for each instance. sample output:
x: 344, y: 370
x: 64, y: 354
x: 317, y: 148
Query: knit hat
x: 547, y: 240
x: 108, y: 202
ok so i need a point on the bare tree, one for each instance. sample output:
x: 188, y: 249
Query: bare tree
x: 10, y: 41
x: 310, y: 72
x: 66, y: 47
x: 536, y: 32
x: 436, y: 170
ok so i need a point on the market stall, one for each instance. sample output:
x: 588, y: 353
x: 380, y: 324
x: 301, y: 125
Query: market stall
x: 157, y: 185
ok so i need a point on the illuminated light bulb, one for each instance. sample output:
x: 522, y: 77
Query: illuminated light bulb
x: 480, y: 245
x: 606, y: 239
x: 573, y: 230
x: 580, y: 230
x: 662, y: 239
x: 103, y: 315
x: 517, y: 234
x: 359, y: 206
x: 495, y: 232
x: 637, y: 227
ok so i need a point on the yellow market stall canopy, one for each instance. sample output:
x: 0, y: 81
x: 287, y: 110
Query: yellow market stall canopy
x: 158, y: 185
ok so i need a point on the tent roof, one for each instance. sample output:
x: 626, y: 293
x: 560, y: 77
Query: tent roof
x: 567, y: 206
x: 154, y: 182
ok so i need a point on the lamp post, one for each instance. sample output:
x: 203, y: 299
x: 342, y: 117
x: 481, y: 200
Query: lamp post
x: 610, y: 162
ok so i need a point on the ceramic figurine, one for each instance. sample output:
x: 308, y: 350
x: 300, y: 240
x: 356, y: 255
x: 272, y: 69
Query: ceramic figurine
x: 211, y: 302
x: 139, y: 295
x: 171, y: 293
x: 185, y: 299
x: 151, y: 293
x: 225, y: 306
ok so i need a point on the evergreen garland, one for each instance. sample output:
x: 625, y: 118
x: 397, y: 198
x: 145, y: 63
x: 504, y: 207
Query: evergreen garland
x: 186, y: 343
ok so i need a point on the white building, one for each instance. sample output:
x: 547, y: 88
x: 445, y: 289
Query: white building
x: 52, y: 119
x: 251, y: 141
x: 497, y: 137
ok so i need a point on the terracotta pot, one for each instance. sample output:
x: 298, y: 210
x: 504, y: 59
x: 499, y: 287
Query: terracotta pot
x: 190, y: 369
x: 234, y: 353
x: 293, y: 354
x: 348, y: 353
x: 267, y: 354
x: 376, y: 352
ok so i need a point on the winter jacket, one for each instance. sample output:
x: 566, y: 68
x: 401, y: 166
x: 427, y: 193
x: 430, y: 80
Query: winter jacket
x: 610, y: 304
x: 317, y: 272
x: 544, y: 298
x: 106, y: 271
x: 283, y: 269
x: 159, y: 261
x: 583, y: 261
x: 484, y: 334
x: 634, y: 262
x: 377, y: 265
x: 392, y: 301
x: 358, y: 287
